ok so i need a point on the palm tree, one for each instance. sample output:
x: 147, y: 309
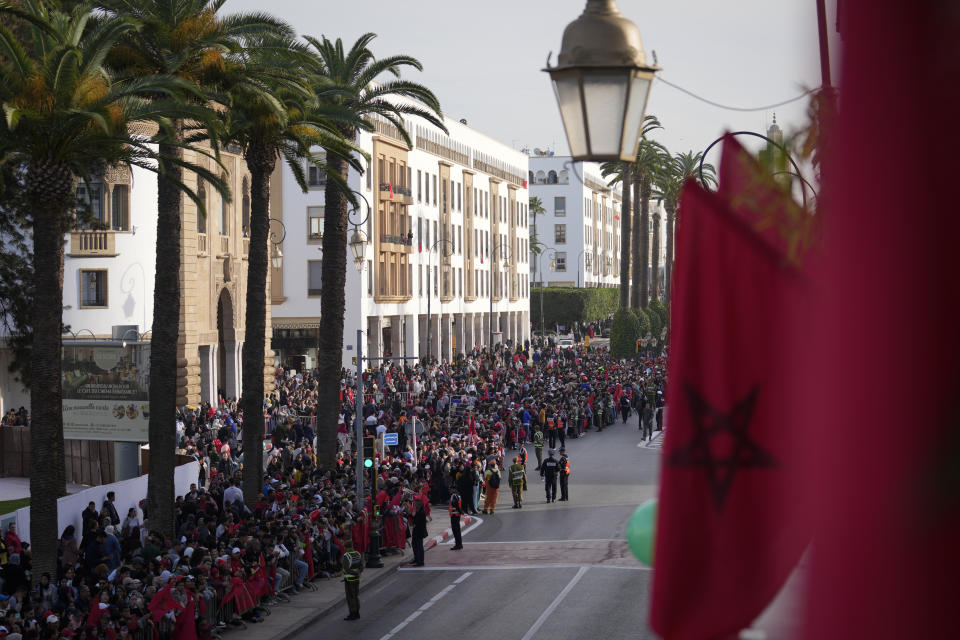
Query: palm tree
x: 355, y: 72
x: 536, y: 247
x: 675, y: 173
x: 271, y: 113
x: 644, y: 169
x: 622, y: 172
x: 189, y: 40
x: 66, y: 121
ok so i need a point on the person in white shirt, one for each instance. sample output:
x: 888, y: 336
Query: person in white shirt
x: 231, y: 494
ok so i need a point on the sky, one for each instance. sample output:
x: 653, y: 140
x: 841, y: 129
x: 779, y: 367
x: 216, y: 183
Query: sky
x: 483, y: 59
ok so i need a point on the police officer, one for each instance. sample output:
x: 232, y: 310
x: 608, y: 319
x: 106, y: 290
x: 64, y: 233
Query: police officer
x: 523, y: 463
x: 538, y: 446
x: 352, y: 566
x: 456, y: 510
x: 517, y: 478
x: 548, y: 471
x: 564, y: 464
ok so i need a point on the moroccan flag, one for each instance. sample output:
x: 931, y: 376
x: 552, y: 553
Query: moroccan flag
x: 886, y: 552
x: 731, y: 521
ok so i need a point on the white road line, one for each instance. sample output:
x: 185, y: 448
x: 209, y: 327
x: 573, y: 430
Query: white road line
x: 473, y: 525
x: 413, y: 616
x: 553, y: 605
x: 548, y: 541
x: 511, y: 567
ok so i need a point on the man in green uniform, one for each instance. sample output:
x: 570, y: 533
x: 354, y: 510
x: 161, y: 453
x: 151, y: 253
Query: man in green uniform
x: 352, y: 566
x: 517, y: 476
x: 538, y: 446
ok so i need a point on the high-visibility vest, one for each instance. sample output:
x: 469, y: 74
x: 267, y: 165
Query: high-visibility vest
x: 352, y: 565
x: 551, y: 424
x: 454, y: 508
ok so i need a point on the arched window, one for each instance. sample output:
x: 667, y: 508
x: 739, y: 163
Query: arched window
x: 552, y: 177
x: 541, y: 177
x: 201, y: 216
x: 564, y: 177
x: 531, y: 176
x: 245, y: 207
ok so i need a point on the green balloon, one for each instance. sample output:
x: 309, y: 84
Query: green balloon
x: 642, y: 531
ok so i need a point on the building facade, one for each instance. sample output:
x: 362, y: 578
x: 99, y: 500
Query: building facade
x: 109, y: 271
x: 445, y: 265
x: 579, y: 232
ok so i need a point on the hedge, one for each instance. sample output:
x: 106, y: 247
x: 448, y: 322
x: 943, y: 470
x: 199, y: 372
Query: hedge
x: 661, y: 310
x: 656, y: 324
x: 643, y: 318
x: 624, y: 334
x: 566, y: 305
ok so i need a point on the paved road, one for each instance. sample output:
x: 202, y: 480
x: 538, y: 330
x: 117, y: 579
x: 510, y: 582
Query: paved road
x: 547, y: 571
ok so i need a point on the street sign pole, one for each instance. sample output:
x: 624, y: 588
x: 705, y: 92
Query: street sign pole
x: 358, y: 408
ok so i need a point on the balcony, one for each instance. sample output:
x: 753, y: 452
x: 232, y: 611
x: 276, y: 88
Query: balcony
x: 246, y: 247
x: 202, y: 244
x: 396, y: 193
x: 399, y: 244
x: 224, y: 245
x: 92, y: 244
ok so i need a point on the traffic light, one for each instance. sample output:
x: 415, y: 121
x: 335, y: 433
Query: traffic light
x: 369, y: 447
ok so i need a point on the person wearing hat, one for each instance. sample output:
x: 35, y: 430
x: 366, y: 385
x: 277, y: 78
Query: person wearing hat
x: 564, y: 473
x: 549, y: 471
x: 491, y: 480
x: 517, y: 478
x: 538, y: 446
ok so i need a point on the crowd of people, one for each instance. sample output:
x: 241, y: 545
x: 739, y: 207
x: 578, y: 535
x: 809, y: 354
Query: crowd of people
x: 471, y: 418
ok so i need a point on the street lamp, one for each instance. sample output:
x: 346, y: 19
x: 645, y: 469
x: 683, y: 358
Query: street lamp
x: 501, y: 247
x: 453, y: 249
x: 358, y: 239
x: 553, y: 259
x: 601, y: 82
x: 277, y: 255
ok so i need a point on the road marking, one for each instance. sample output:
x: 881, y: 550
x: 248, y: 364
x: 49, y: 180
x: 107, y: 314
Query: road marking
x: 413, y: 616
x: 548, y: 541
x: 473, y: 525
x: 524, y: 566
x: 553, y: 605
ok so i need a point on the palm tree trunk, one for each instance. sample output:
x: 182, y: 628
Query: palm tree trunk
x: 655, y: 258
x: 671, y: 216
x: 625, y: 218
x: 48, y: 202
x: 163, y: 344
x: 261, y: 162
x: 645, y: 241
x: 332, y: 302
x: 635, y: 247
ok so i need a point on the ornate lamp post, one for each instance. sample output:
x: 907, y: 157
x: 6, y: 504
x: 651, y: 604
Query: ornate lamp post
x: 501, y: 247
x: 436, y: 244
x: 602, y: 81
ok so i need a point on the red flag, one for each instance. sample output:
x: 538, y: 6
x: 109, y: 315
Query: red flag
x: 885, y: 558
x: 391, y: 191
x: 730, y: 523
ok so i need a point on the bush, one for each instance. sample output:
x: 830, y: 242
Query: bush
x: 656, y: 324
x: 643, y: 319
x: 624, y: 334
x: 566, y: 305
x: 660, y: 310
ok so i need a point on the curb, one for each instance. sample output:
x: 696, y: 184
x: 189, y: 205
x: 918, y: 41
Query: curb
x: 387, y: 569
x: 443, y: 537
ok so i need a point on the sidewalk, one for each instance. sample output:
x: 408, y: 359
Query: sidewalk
x: 16, y: 488
x: 306, y: 608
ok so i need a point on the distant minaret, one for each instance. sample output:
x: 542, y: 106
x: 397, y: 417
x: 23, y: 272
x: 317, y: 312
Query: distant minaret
x: 773, y: 158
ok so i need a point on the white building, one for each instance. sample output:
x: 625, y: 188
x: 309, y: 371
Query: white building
x: 447, y: 232
x: 580, y: 229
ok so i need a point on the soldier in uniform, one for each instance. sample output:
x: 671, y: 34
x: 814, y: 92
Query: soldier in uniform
x: 352, y: 567
x: 548, y: 471
x: 456, y: 510
x: 538, y: 446
x: 518, y: 477
x: 564, y: 472
x: 523, y: 463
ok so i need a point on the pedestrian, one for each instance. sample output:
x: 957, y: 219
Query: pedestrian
x: 538, y: 447
x: 419, y: 532
x: 352, y: 567
x: 523, y: 463
x: 646, y: 422
x: 517, y: 479
x: 456, y: 510
x: 548, y: 471
x: 492, y: 483
x: 564, y: 473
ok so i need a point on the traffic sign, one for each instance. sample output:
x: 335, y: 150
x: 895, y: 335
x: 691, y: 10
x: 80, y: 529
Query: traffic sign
x: 391, y: 439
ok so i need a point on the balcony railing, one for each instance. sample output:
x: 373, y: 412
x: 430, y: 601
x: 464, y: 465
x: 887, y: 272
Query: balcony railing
x: 92, y: 243
x: 397, y: 192
x: 202, y: 243
x: 246, y: 247
x: 224, y: 244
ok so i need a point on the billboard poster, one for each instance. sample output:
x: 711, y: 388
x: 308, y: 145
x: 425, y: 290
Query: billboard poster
x: 105, y: 392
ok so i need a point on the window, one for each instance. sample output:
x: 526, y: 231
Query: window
x: 202, y: 215
x: 552, y: 177
x: 315, y: 177
x: 245, y: 207
x: 90, y: 202
x: 369, y: 175
x: 419, y: 186
x: 93, y: 288
x: 314, y: 224
x: 420, y: 279
x: 434, y: 190
x: 369, y: 277
x: 314, y: 277
x: 224, y: 222
x: 121, y: 207
x: 560, y: 262
x: 460, y: 196
x: 559, y: 206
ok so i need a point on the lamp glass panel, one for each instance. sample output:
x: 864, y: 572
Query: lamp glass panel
x: 604, y: 96
x: 566, y: 86
x: 639, y: 90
